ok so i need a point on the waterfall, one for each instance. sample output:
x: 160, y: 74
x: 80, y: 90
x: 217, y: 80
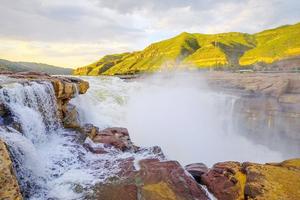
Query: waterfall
x: 177, y: 112
x: 33, y: 106
x: 50, y: 161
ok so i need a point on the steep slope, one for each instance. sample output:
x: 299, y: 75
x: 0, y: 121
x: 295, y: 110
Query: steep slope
x: 221, y: 51
x: 274, y: 44
x: 29, y: 66
x: 167, y: 53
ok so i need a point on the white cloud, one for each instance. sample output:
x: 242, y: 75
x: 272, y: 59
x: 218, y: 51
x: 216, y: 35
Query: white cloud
x: 91, y: 28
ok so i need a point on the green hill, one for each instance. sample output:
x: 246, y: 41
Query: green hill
x: 203, y: 51
x: 6, y: 65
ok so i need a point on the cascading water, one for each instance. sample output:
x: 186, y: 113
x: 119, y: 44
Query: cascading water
x: 50, y: 161
x: 177, y: 112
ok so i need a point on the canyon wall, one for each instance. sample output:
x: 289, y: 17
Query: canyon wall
x: 268, y: 106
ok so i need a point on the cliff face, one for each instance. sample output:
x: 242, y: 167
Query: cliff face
x: 267, y: 108
x: 264, y: 50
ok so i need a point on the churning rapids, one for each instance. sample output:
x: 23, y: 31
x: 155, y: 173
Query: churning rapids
x: 190, y: 123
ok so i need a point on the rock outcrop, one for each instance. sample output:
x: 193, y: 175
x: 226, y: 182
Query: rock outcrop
x: 155, y: 179
x: 149, y: 179
x: 9, y: 187
x: 111, y: 137
x: 272, y: 181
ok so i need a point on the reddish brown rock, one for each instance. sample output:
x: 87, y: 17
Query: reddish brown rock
x: 252, y: 181
x: 116, y: 137
x: 155, y: 180
x: 225, y: 181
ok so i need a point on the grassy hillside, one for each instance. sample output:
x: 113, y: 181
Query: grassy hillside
x: 275, y: 44
x: 29, y: 66
x: 225, y: 50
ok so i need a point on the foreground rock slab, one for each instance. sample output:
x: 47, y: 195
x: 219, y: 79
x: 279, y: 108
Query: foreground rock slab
x: 272, y: 181
x: 155, y: 180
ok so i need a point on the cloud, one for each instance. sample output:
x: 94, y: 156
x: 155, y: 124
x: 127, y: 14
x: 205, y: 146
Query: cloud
x: 115, y: 26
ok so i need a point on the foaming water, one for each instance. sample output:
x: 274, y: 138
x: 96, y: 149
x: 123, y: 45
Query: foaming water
x: 177, y: 112
x: 50, y: 161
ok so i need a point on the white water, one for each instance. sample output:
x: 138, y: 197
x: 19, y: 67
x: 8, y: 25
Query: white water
x: 177, y: 112
x: 49, y: 160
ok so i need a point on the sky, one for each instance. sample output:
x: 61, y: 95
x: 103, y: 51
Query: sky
x: 73, y: 33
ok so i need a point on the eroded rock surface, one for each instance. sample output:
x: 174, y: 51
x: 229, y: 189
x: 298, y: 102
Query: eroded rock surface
x: 145, y: 178
x: 155, y: 179
x: 9, y: 187
x: 272, y: 181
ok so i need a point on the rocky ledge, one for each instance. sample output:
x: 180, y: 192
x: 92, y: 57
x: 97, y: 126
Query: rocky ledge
x: 234, y: 180
x: 65, y: 88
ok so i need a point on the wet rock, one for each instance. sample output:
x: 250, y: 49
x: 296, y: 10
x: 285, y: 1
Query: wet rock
x: 89, y: 130
x: 115, y: 137
x: 9, y: 188
x: 95, y: 148
x: 65, y: 88
x: 71, y: 118
x: 155, y: 179
x: 197, y: 170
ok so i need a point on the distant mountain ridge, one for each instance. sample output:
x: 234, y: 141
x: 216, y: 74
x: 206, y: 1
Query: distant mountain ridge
x: 205, y: 51
x: 31, y: 66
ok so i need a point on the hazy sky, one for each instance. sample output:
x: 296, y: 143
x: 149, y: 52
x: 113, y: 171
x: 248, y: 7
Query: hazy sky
x: 72, y: 33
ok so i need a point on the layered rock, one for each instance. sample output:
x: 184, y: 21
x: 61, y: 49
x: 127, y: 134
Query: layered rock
x: 65, y: 88
x: 267, y: 108
x: 9, y: 188
x: 234, y: 180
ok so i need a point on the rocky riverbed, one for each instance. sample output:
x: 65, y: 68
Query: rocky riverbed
x: 133, y: 172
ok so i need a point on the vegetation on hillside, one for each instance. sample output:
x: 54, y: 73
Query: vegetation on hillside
x: 6, y: 65
x: 204, y: 51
